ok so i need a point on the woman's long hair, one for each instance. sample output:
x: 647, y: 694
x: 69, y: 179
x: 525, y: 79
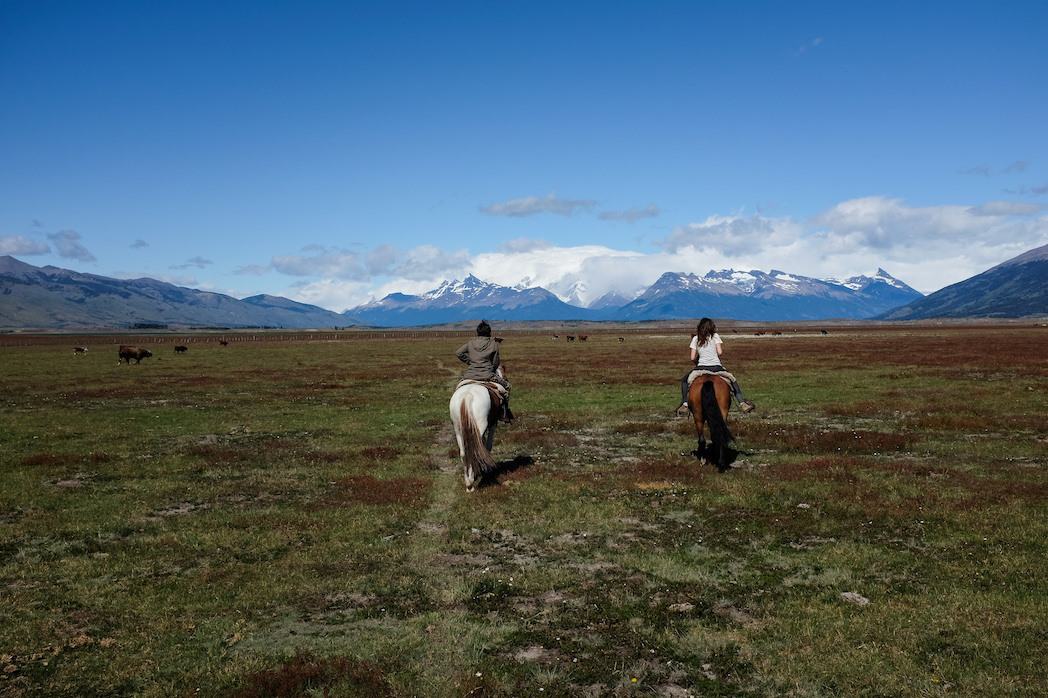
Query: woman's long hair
x: 704, y: 331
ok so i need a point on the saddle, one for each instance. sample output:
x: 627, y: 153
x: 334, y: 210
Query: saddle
x: 496, y: 391
x: 703, y: 372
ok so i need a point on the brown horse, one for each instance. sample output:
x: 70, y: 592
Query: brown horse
x: 709, y: 398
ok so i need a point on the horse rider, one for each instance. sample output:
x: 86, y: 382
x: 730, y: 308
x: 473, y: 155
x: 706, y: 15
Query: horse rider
x: 706, y: 350
x: 482, y: 355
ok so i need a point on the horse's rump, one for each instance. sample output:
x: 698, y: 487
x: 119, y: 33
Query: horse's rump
x: 709, y: 398
x: 699, y: 372
x: 474, y: 416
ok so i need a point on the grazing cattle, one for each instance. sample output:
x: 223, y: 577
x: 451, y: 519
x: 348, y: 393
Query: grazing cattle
x: 571, y: 338
x: 583, y: 337
x: 79, y: 350
x: 224, y: 343
x: 127, y: 353
x: 556, y: 336
x: 498, y: 339
x: 824, y: 331
x: 180, y: 349
x: 622, y: 339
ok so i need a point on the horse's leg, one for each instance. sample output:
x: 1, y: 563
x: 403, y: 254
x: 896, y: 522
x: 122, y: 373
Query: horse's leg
x: 696, y: 413
x: 456, y: 422
x: 700, y: 451
x: 489, y: 435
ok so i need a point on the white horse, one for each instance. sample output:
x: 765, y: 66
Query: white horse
x: 474, y: 414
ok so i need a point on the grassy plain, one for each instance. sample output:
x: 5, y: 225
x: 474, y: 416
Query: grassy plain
x: 283, y: 517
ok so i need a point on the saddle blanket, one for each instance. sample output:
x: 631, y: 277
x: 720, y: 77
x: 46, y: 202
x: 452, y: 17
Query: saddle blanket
x: 720, y: 374
x: 490, y: 385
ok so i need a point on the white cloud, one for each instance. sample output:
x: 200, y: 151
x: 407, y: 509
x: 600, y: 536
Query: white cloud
x: 334, y: 263
x: 252, y: 270
x: 532, y: 205
x: 810, y: 46
x: 732, y: 235
x: 524, y: 245
x: 926, y: 247
x: 1007, y: 208
x: 632, y: 215
x: 67, y: 242
x: 16, y: 244
x: 198, y: 262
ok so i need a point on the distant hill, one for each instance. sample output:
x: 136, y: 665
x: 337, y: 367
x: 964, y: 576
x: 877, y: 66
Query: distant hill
x: 53, y: 298
x: 1016, y: 288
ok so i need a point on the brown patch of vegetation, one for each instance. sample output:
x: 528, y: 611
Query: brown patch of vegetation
x: 803, y: 438
x: 674, y: 471
x: 223, y: 455
x: 305, y: 673
x: 365, y: 489
x: 46, y: 459
x: 379, y: 453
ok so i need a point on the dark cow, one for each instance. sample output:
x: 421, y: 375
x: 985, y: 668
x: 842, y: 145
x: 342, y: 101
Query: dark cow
x: 224, y: 343
x: 181, y: 349
x: 128, y: 352
x: 79, y: 350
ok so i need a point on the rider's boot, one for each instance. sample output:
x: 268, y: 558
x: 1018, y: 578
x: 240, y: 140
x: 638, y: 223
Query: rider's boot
x: 744, y: 404
x: 507, y: 415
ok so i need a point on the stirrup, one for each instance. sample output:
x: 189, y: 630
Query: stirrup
x: 683, y: 410
x: 747, y: 406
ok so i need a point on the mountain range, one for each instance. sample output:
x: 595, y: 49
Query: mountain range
x: 53, y: 298
x: 750, y: 295
x: 1015, y: 288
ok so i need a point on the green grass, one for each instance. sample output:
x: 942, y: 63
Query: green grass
x: 289, y: 518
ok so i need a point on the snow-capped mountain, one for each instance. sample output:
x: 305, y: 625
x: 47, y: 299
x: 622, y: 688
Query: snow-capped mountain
x: 755, y: 295
x: 741, y: 295
x: 454, y: 301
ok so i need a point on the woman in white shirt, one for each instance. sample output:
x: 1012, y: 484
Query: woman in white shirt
x: 706, y: 350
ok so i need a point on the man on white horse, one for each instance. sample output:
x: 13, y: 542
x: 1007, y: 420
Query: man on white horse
x: 482, y: 355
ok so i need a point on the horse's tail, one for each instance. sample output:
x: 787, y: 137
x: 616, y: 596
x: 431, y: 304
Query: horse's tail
x: 477, y: 458
x: 711, y: 412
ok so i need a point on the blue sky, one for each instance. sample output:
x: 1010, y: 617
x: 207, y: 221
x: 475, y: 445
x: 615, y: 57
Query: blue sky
x: 332, y: 152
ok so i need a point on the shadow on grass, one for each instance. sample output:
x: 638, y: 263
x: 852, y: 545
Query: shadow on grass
x: 506, y: 467
x: 707, y: 455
